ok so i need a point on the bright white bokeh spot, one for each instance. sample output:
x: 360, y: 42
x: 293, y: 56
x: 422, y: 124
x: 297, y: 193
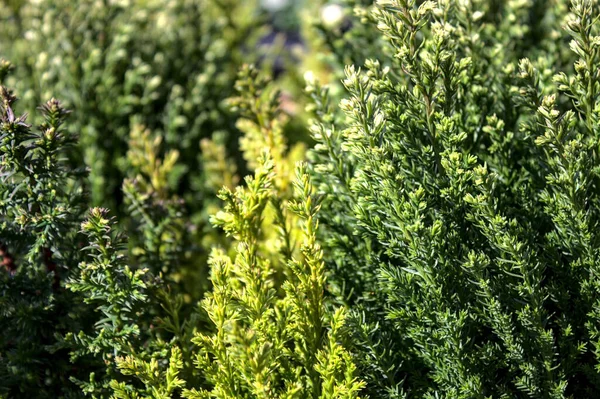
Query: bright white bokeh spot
x: 274, y: 5
x: 332, y: 15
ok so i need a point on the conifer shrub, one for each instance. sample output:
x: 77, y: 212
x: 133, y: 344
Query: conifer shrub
x: 84, y: 315
x: 42, y: 200
x: 71, y: 302
x: 148, y: 82
x: 461, y: 199
x: 274, y: 333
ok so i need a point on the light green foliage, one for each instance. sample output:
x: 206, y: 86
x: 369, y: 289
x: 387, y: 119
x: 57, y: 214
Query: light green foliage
x: 270, y: 337
x: 263, y: 122
x: 164, y: 383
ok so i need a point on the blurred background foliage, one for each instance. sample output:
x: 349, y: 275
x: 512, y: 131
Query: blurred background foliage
x: 148, y: 82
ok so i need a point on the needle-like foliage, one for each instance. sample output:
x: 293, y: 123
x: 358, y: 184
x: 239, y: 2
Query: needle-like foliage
x: 461, y: 199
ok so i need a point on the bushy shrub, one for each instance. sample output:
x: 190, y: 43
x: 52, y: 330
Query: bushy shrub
x: 461, y: 199
x: 84, y: 314
x: 70, y: 301
x: 41, y: 205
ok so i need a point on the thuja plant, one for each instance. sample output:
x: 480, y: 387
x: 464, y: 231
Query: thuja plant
x: 461, y: 199
x: 265, y: 329
x: 263, y: 122
x: 273, y: 334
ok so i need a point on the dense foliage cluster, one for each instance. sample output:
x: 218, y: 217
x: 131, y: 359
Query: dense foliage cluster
x: 416, y: 218
x: 463, y: 199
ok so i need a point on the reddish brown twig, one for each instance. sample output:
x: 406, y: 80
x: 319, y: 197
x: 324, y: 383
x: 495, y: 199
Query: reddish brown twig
x: 7, y: 259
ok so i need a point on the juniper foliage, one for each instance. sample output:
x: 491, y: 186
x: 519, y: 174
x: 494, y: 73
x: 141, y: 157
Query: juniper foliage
x: 460, y: 194
x: 42, y: 200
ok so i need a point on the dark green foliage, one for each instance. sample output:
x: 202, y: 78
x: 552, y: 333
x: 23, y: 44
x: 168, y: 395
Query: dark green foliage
x: 71, y: 304
x: 41, y: 201
x: 118, y: 293
x: 463, y: 199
